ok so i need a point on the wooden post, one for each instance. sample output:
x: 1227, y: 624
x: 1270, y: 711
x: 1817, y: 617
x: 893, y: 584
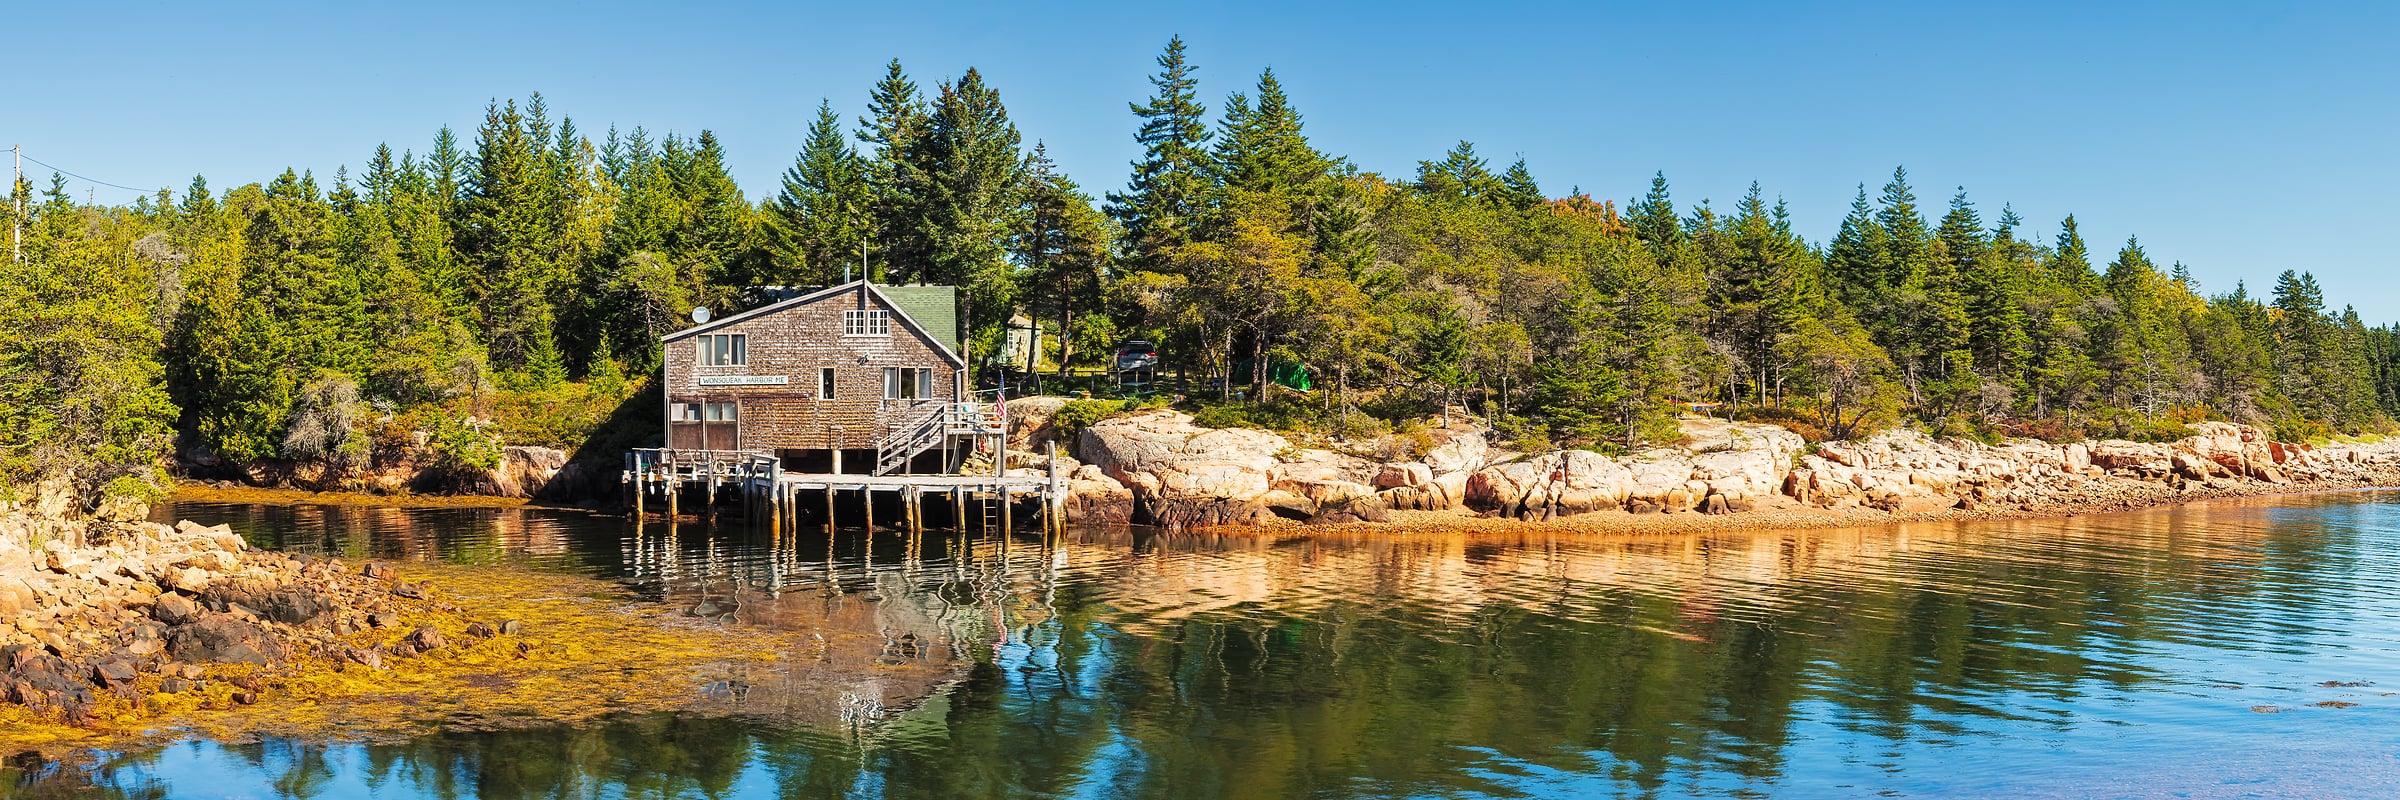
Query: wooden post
x: 958, y: 508
x: 674, y: 484
x: 1008, y: 510
x: 867, y: 494
x: 911, y: 498
x: 829, y: 511
x: 640, y: 487
x: 712, y: 486
x: 1051, y: 506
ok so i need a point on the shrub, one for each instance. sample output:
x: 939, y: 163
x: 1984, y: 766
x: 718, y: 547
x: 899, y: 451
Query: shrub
x: 2302, y: 430
x: 1222, y: 417
x: 1076, y: 415
x: 137, y: 488
x: 561, y: 415
x: 461, y: 446
x: 326, y: 422
x: 1791, y: 419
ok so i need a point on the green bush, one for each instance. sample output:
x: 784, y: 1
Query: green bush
x: 1222, y: 417
x: 135, y: 488
x: 460, y: 446
x: 1076, y: 415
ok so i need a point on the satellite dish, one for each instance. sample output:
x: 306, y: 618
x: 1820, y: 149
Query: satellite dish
x: 700, y: 315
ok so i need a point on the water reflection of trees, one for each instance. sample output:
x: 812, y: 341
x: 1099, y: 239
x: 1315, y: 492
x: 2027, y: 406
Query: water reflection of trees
x: 1124, y: 664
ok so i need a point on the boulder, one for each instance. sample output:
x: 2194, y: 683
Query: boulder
x: 174, y: 609
x: 1363, y: 508
x: 2076, y: 457
x: 1183, y: 475
x: 1461, y: 447
x: 1403, y: 474
x: 224, y: 638
x: 1095, y: 498
x: 1554, y: 484
x: 1029, y: 425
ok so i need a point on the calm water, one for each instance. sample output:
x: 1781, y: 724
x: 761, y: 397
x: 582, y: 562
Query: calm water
x: 2198, y: 652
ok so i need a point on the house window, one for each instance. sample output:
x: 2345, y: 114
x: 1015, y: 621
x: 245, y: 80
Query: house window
x: 825, y: 384
x: 723, y: 349
x: 866, y: 322
x: 683, y: 412
x: 907, y: 383
x: 724, y: 412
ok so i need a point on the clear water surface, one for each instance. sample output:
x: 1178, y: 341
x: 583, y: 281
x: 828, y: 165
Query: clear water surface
x: 2228, y: 649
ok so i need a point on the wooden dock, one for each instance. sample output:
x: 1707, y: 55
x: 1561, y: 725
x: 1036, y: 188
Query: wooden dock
x: 769, y: 493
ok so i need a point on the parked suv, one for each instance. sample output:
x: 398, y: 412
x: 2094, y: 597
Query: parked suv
x: 1134, y: 356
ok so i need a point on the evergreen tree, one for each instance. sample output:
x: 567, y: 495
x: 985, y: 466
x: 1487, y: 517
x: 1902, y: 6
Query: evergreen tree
x: 1852, y: 260
x: 817, y: 225
x: 897, y: 125
x: 1517, y: 187
x: 1065, y: 251
x: 1261, y: 148
x: 974, y: 201
x: 2071, y: 261
x: 1461, y: 175
x: 1992, y: 279
x: 1170, y: 182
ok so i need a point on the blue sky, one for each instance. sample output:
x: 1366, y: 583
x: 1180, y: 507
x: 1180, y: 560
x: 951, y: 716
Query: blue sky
x: 2240, y: 139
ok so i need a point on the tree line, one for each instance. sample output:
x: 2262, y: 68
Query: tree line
x: 264, y: 321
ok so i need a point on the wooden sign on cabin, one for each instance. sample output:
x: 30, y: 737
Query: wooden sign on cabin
x: 854, y: 378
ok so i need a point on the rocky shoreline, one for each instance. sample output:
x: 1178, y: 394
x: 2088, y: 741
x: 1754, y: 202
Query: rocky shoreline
x: 1158, y: 467
x: 111, y: 617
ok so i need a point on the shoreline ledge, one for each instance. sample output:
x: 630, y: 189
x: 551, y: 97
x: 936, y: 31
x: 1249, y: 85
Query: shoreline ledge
x: 1158, y: 466
x: 116, y: 631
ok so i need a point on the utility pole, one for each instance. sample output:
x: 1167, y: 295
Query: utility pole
x: 16, y: 220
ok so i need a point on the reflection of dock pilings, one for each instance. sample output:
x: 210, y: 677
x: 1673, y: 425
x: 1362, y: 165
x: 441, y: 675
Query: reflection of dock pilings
x: 776, y: 498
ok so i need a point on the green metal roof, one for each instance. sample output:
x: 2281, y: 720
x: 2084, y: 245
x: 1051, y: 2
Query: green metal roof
x: 934, y: 307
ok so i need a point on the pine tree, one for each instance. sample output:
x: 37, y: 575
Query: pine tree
x: 1261, y: 148
x: 1065, y: 250
x: 1170, y: 182
x: 1994, y: 285
x: 508, y: 232
x: 817, y: 225
x: 974, y: 201
x: 1517, y: 187
x: 897, y: 126
x: 1653, y: 217
x: 1760, y: 291
x: 1852, y: 260
x: 2071, y: 261
x: 1460, y: 176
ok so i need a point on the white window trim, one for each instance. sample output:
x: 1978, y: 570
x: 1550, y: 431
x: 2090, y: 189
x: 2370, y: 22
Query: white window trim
x: 867, y: 322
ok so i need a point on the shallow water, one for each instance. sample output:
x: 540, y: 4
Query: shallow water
x: 2203, y: 651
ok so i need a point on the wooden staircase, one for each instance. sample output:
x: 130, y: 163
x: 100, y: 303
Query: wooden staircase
x: 933, y: 424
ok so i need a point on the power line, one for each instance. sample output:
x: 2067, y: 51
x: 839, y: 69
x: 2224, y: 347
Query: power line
x: 63, y: 171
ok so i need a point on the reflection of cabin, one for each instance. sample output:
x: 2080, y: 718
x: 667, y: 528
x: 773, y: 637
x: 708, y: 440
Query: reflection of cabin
x: 855, y: 378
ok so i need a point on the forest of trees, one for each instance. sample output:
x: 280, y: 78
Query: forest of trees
x: 273, y: 320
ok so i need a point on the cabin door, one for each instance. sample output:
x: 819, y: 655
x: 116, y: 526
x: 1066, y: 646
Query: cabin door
x: 722, y: 430
x: 705, y: 425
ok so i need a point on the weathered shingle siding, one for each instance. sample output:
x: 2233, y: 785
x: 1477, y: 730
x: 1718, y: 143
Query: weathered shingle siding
x: 795, y: 343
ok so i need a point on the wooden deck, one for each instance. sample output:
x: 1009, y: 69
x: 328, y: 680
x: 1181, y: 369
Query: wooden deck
x: 769, y: 493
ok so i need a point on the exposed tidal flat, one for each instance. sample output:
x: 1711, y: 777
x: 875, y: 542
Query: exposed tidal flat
x: 2222, y: 648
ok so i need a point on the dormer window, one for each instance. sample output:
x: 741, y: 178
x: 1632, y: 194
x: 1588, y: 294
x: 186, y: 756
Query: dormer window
x: 866, y: 322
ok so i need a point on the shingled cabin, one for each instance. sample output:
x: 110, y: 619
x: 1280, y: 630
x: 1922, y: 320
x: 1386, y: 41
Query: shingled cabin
x: 856, y: 378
